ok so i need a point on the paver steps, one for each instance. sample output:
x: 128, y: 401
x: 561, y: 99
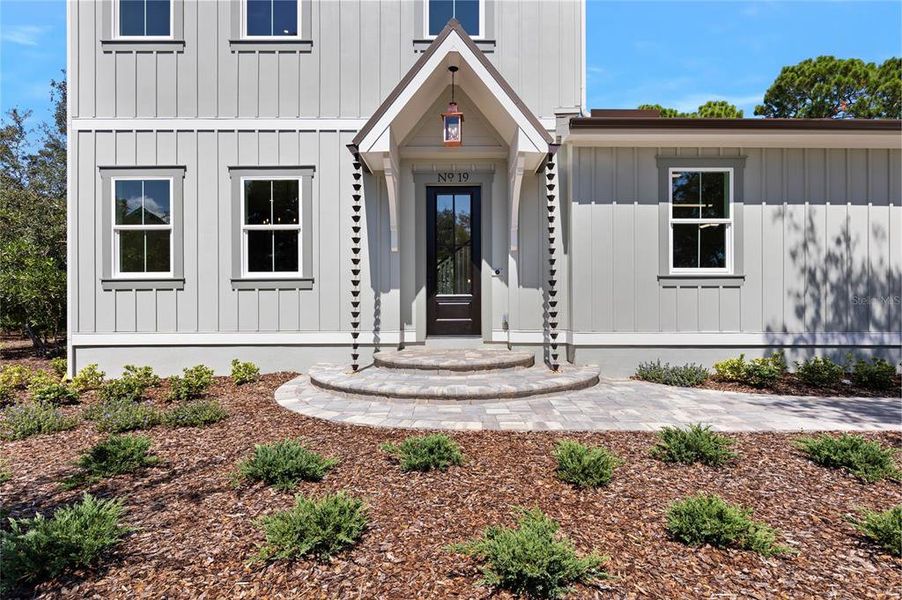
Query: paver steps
x: 453, y: 374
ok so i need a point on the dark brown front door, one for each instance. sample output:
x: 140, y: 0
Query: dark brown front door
x: 453, y: 256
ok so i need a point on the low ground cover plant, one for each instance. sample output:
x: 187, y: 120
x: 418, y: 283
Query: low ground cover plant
x: 688, y: 375
x: 883, y: 528
x: 15, y: 376
x: 820, y: 371
x: 866, y: 459
x: 195, y: 413
x: 695, y: 443
x: 123, y: 389
x: 584, y: 466
x: 5, y: 473
x: 319, y: 528
x: 426, y: 452
x: 283, y: 465
x: 37, y: 549
x: 192, y: 384
x: 876, y: 374
x: 89, y: 378
x: 54, y: 393
x: 116, y: 455
x: 758, y: 372
x: 120, y: 415
x: 58, y: 365
x: 532, y: 559
x: 244, y: 372
x: 142, y: 376
x: 708, y: 519
x: 33, y: 418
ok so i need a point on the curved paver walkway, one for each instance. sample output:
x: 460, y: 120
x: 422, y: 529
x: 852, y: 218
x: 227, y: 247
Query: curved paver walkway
x: 613, y: 404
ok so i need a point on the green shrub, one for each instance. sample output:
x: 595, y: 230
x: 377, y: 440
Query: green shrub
x: 688, y: 375
x: 15, y: 376
x: 284, y: 464
x: 320, y: 528
x: 876, y: 375
x: 708, y: 519
x: 196, y: 413
x: 123, y: 389
x: 54, y: 393
x: 141, y: 376
x: 758, y: 372
x: 116, y: 455
x: 34, y: 550
x: 58, y: 365
x: 244, y: 372
x: 820, y: 371
x: 89, y: 378
x: 583, y: 466
x: 117, y: 416
x: 533, y: 559
x: 40, y: 379
x: 34, y: 418
x: 882, y: 528
x: 696, y: 443
x: 192, y: 384
x: 868, y: 460
x: 422, y: 453
x: 7, y: 394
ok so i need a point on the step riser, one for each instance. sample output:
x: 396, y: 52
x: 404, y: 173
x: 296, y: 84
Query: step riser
x: 471, y: 368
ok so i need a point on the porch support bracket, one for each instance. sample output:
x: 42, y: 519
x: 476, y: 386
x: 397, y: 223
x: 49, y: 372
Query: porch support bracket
x: 392, y: 183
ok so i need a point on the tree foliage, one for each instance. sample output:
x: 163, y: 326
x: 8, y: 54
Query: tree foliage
x: 712, y: 109
x: 827, y: 87
x: 33, y: 222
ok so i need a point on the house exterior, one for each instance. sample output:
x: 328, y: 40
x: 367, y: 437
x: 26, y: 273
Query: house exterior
x: 274, y: 180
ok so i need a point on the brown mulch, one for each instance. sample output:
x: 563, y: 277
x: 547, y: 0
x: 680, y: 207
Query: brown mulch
x: 194, y: 532
x: 790, y: 385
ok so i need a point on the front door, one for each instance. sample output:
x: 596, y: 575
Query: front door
x: 453, y: 256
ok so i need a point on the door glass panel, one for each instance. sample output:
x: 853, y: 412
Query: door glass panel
x: 453, y: 244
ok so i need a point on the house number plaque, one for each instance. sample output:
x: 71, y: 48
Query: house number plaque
x: 451, y: 177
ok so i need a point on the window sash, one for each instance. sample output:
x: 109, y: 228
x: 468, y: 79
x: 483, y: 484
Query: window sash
x: 117, y: 228
x: 245, y: 228
x: 117, y: 25
x: 727, y: 222
x: 272, y: 36
x: 477, y: 36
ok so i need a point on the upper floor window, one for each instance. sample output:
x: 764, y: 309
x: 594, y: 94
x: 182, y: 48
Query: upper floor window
x: 144, y: 18
x: 701, y: 220
x: 142, y: 229
x: 468, y: 12
x: 271, y: 18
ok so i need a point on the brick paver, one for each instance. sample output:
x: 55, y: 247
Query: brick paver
x: 613, y: 404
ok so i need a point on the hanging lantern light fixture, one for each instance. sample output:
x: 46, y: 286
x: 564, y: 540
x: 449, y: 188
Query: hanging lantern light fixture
x: 452, y: 119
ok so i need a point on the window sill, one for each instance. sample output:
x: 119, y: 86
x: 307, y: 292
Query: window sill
x: 487, y: 46
x: 690, y: 280
x: 246, y: 283
x: 264, y: 45
x: 137, y: 45
x: 142, y: 284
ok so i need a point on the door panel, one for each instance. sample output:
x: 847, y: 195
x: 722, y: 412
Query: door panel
x: 453, y: 260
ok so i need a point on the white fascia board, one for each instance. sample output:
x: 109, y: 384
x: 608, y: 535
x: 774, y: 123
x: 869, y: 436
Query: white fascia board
x: 303, y: 338
x: 735, y: 138
x: 183, y: 124
x: 706, y: 339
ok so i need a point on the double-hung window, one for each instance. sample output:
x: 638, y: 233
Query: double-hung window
x: 468, y: 12
x: 142, y: 227
x: 271, y: 19
x: 144, y: 18
x: 271, y: 226
x: 701, y: 220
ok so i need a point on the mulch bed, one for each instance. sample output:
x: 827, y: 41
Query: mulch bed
x: 790, y: 385
x: 194, y: 532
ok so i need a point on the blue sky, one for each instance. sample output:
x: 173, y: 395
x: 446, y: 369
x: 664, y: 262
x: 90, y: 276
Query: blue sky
x: 674, y: 53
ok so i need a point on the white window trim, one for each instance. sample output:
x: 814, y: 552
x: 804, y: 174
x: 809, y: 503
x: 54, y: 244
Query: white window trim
x: 117, y: 228
x: 246, y: 36
x: 432, y: 36
x: 245, y: 271
x: 728, y: 268
x: 117, y: 30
